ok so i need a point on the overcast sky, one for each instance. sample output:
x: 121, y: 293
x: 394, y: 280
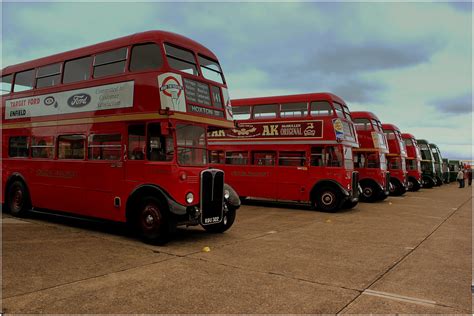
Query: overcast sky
x: 409, y: 63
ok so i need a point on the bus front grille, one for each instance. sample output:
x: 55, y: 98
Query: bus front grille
x: 212, y: 196
x: 355, y: 184
x: 387, y: 181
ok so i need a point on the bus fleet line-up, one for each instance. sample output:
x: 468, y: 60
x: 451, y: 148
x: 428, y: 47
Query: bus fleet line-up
x: 140, y: 129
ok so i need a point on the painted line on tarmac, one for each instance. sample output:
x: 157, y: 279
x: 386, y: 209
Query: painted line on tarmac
x: 400, y: 298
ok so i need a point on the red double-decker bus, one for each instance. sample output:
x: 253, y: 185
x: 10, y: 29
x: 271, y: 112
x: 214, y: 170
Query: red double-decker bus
x: 396, y: 160
x: 413, y: 162
x: 369, y: 158
x: 290, y: 148
x: 118, y: 131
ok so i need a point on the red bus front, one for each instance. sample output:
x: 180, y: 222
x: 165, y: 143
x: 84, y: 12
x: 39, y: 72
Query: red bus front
x: 413, y: 162
x: 290, y: 148
x: 369, y: 158
x: 123, y: 123
x: 396, y: 159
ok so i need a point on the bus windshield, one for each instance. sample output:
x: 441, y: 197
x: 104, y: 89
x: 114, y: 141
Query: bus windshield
x: 191, y: 145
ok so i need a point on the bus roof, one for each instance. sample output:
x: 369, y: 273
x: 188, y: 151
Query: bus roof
x: 387, y: 126
x: 108, y: 45
x: 433, y: 145
x: 364, y: 114
x: 422, y: 141
x: 288, y: 98
x: 408, y: 135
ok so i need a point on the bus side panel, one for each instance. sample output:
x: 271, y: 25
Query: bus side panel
x: 292, y: 182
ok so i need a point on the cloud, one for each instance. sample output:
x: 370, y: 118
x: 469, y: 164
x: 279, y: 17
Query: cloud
x: 359, y: 90
x: 461, y: 104
x: 370, y: 56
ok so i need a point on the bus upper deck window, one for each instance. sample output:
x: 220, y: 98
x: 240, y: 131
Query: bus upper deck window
x: 362, y: 124
x: 338, y: 109
x: 24, y: 81
x: 265, y: 111
x: 241, y: 112
x: 294, y: 109
x: 145, y: 57
x: 375, y: 125
x: 48, y: 76
x: 6, y: 84
x: 321, y: 108
x: 77, y: 70
x: 181, y: 59
x: 210, y: 69
x: 110, y: 63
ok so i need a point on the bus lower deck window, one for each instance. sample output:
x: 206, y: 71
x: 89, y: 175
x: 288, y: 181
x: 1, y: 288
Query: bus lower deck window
x: 263, y: 158
x: 216, y: 156
x: 42, y: 147
x: 105, y: 147
x: 292, y: 158
x: 18, y: 146
x: 71, y: 146
x: 236, y: 158
x: 136, y: 142
x: 160, y: 148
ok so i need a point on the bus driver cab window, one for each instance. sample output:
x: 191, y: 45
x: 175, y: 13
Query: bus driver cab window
x: 160, y: 147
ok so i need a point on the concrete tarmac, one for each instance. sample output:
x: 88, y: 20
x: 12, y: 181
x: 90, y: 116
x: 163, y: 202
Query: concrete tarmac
x: 409, y: 254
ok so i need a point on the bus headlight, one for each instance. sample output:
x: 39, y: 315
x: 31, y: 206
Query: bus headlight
x: 189, y: 198
x: 226, y: 194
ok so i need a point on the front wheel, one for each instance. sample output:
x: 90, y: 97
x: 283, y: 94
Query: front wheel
x: 428, y: 182
x: 413, y: 185
x: 396, y: 189
x: 227, y: 221
x: 18, y: 199
x: 370, y: 192
x: 327, y: 199
x: 151, y: 221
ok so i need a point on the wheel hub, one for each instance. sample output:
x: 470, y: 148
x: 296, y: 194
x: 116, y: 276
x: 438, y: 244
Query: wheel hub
x: 367, y: 192
x: 150, y: 216
x: 17, y: 199
x: 327, y: 198
x: 149, y: 219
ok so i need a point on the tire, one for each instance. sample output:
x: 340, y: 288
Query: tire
x: 439, y: 182
x: 348, y: 204
x: 18, y: 199
x: 370, y: 192
x: 413, y: 185
x: 327, y: 199
x: 225, y: 224
x: 428, y: 182
x: 151, y: 221
x: 397, y: 188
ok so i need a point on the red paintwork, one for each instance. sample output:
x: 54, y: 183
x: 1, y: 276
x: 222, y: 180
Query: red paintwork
x: 413, y: 153
x: 397, y: 150
x: 88, y: 187
x: 282, y: 182
x: 366, y: 144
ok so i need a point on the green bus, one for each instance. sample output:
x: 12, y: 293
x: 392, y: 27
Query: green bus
x: 428, y: 175
x: 438, y: 163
